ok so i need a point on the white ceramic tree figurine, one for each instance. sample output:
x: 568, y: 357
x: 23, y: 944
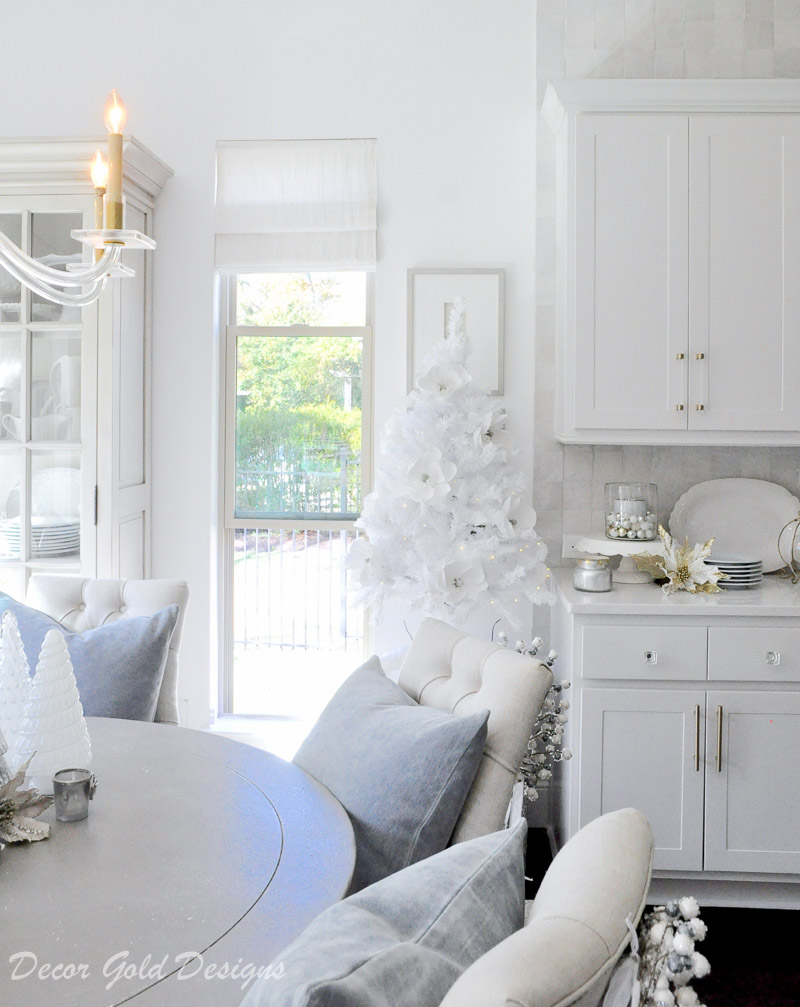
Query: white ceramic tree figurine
x: 15, y: 682
x: 53, y: 726
x: 5, y: 772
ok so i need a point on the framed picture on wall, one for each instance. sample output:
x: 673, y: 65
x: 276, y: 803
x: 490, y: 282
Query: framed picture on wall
x: 431, y: 293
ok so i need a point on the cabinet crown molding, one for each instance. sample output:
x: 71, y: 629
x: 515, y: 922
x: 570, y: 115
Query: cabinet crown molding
x: 32, y: 164
x: 564, y: 97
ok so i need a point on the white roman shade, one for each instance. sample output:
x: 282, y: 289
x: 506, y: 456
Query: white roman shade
x: 286, y: 205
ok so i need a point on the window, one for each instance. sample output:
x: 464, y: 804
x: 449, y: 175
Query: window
x: 297, y: 452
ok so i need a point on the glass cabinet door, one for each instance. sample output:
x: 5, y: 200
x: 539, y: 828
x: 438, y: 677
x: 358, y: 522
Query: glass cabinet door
x: 40, y: 409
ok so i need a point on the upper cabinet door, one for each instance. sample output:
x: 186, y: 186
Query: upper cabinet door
x: 744, y: 328
x: 631, y: 271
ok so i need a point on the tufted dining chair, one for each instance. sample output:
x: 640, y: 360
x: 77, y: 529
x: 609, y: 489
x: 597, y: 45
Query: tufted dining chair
x: 449, y: 670
x: 80, y: 603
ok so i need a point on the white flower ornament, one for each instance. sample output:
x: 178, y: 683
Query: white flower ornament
x: 443, y: 381
x: 462, y: 581
x: 492, y: 430
x: 514, y: 518
x: 429, y: 476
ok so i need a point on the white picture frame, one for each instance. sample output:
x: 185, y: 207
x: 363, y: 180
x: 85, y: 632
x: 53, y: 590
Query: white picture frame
x: 431, y: 291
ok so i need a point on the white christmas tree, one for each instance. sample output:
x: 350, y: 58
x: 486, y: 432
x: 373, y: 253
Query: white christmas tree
x: 447, y: 527
x: 15, y: 681
x: 53, y: 726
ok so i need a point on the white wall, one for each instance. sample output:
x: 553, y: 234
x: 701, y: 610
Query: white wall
x: 446, y: 86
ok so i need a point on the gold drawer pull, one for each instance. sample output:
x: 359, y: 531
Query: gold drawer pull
x: 773, y: 657
x: 679, y: 408
x: 679, y: 356
x: 697, y: 738
x: 700, y: 408
x: 719, y: 739
x: 699, y: 356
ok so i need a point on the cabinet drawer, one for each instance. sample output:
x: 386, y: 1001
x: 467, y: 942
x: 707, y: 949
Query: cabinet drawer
x: 674, y: 653
x: 760, y: 654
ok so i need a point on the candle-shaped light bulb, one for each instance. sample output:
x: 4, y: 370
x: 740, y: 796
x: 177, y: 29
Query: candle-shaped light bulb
x: 115, y: 114
x: 99, y: 181
x: 99, y: 171
x: 115, y: 120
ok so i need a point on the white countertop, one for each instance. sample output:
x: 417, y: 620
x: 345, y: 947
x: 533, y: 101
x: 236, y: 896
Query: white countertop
x: 775, y: 597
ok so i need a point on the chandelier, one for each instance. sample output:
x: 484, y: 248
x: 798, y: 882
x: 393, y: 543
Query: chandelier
x: 83, y: 282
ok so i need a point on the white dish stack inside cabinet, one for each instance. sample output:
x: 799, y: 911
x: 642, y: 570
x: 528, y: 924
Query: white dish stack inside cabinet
x: 678, y: 217
x: 688, y: 708
x: 75, y: 386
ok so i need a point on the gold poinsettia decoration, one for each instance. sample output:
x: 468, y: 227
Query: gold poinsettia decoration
x: 16, y: 827
x: 684, y: 566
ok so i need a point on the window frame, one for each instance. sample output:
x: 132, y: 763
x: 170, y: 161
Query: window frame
x: 230, y: 332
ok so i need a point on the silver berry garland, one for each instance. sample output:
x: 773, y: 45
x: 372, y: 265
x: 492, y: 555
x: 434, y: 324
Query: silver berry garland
x: 545, y: 747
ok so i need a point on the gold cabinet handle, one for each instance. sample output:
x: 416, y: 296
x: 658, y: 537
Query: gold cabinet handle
x: 719, y: 739
x: 697, y: 738
x: 699, y: 356
x: 679, y: 408
x: 700, y: 408
x: 679, y: 356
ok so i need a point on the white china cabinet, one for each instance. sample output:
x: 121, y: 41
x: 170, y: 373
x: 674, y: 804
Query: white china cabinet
x: 688, y: 708
x: 678, y: 220
x: 74, y: 383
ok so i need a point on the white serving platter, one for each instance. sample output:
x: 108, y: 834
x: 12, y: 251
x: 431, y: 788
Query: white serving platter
x: 743, y: 516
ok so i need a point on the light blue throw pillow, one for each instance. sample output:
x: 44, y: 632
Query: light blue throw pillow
x: 402, y: 771
x: 118, y: 667
x: 404, y: 941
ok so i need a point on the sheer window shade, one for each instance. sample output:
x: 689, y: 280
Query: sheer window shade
x: 287, y: 205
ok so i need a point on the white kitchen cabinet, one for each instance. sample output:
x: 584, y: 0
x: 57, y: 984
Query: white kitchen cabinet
x: 678, y: 247
x: 641, y: 749
x: 688, y: 708
x: 74, y: 383
x: 753, y: 782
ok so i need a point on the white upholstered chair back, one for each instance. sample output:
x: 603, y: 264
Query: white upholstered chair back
x: 80, y: 603
x: 449, y: 670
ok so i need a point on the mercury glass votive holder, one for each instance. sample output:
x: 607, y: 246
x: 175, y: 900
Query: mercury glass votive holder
x: 73, y: 789
x: 631, y: 511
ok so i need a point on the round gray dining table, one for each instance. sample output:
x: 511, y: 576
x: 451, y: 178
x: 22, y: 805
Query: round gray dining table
x: 201, y: 859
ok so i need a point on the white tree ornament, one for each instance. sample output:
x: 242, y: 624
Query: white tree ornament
x: 447, y: 527
x: 15, y: 683
x: 53, y: 729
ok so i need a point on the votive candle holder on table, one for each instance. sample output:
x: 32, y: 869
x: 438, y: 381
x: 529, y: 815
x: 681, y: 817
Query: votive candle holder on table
x: 73, y: 789
x: 631, y: 511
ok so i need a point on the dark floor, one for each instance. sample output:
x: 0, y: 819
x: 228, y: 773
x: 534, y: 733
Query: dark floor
x: 754, y: 953
x: 754, y: 956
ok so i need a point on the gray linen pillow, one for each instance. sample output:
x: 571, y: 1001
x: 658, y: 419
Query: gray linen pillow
x: 402, y: 771
x: 118, y: 667
x: 404, y: 941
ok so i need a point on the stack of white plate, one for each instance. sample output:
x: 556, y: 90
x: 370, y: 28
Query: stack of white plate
x: 743, y: 571
x: 50, y: 536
